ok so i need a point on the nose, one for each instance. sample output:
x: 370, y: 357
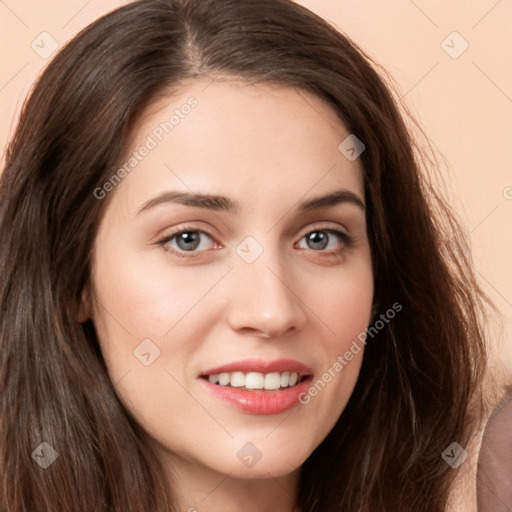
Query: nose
x: 265, y: 299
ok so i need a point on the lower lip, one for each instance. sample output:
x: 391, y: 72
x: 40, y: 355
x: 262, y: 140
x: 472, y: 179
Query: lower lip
x: 259, y: 401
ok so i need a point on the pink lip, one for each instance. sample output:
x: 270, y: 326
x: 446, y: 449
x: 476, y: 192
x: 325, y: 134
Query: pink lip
x: 261, y: 366
x: 261, y: 402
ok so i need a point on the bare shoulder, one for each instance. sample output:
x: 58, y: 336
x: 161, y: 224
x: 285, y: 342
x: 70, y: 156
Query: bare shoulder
x: 463, y: 496
x: 484, y: 481
x: 494, y: 472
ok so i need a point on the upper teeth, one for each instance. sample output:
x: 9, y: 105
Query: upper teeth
x: 255, y: 380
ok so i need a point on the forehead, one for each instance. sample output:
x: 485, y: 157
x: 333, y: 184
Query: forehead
x: 253, y: 142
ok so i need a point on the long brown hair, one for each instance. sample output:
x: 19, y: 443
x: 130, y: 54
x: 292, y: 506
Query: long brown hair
x: 420, y: 372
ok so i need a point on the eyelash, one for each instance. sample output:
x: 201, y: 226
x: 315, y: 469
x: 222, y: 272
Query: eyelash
x: 346, y: 241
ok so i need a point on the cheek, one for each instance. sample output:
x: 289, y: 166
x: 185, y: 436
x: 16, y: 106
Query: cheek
x: 345, y: 309
x: 151, y: 318
x: 141, y: 295
x: 344, y: 302
x: 146, y: 317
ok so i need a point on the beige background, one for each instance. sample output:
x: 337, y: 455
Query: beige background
x: 463, y: 103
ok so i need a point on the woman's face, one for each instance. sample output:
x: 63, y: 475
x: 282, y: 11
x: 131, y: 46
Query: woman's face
x: 254, y: 289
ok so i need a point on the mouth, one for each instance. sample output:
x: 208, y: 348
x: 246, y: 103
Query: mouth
x: 259, y: 387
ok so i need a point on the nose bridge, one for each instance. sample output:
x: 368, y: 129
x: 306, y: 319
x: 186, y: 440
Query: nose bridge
x: 264, y: 299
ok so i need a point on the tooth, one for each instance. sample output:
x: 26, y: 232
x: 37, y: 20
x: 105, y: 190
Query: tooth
x: 238, y: 379
x: 254, y: 380
x: 272, y: 380
x: 224, y: 378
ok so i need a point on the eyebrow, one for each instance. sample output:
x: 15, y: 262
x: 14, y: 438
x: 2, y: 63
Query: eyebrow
x: 225, y: 204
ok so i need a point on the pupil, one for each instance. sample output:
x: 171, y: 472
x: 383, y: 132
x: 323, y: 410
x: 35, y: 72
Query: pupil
x: 188, y: 241
x: 318, y: 240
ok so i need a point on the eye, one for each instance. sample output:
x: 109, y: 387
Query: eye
x: 326, y: 240
x: 187, y: 240
x: 190, y: 241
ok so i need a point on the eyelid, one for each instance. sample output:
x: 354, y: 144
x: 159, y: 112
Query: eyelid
x: 184, y: 229
x: 322, y: 226
x: 337, y: 229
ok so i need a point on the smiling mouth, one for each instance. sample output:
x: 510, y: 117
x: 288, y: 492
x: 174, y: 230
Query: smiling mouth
x: 254, y: 381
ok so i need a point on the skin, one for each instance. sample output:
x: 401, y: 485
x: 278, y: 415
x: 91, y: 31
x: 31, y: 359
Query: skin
x: 267, y: 148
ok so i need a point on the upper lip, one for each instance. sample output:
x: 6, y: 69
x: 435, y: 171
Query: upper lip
x: 260, y: 366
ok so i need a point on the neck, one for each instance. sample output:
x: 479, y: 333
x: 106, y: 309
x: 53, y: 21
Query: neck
x: 197, y: 488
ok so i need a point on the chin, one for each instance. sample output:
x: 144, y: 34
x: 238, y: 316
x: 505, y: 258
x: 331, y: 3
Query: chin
x: 258, y: 458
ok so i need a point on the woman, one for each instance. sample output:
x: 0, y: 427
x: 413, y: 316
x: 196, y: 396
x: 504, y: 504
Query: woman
x: 227, y: 282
